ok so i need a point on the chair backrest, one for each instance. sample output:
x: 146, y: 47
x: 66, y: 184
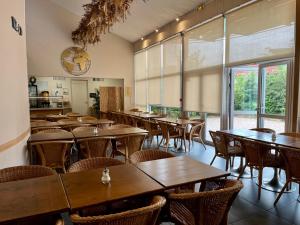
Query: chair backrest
x: 164, y: 127
x: 208, y: 207
x: 134, y: 110
x: 196, y: 130
x: 220, y: 142
x: 141, y: 216
x: 24, y: 172
x: 254, y: 151
x: 265, y: 130
x: 291, y: 159
x: 94, y: 147
x: 291, y: 134
x: 133, y: 143
x: 148, y: 155
x: 93, y: 163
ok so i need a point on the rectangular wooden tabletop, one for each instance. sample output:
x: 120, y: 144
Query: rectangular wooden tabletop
x: 37, y: 137
x: 32, y: 197
x: 176, y: 171
x: 85, y: 188
x: 282, y: 140
x: 109, y: 132
x: 43, y: 124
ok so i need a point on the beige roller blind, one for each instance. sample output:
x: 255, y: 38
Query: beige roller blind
x: 171, y: 72
x: 203, y: 66
x: 260, y: 32
x: 154, y: 74
x: 140, y: 74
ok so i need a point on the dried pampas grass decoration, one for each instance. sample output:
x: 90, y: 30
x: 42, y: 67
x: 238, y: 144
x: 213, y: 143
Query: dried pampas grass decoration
x: 99, y: 17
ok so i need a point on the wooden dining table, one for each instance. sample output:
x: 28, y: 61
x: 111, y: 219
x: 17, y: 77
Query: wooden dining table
x: 109, y: 132
x: 281, y: 140
x: 140, y: 114
x: 180, y: 170
x: 85, y: 188
x: 24, y: 199
x: 181, y: 124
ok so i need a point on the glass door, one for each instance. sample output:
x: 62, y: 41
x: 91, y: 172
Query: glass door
x: 272, y: 102
x: 258, y: 95
x: 244, y: 96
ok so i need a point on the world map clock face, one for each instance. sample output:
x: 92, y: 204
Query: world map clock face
x: 75, y: 61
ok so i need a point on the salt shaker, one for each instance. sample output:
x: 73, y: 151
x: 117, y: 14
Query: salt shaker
x: 105, y: 179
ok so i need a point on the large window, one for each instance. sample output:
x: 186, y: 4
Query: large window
x: 140, y: 76
x: 240, y: 42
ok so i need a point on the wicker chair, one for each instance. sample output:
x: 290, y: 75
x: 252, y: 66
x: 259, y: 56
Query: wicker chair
x: 153, y: 130
x: 130, y: 144
x: 208, y: 207
x: 146, y: 215
x: 223, y: 149
x: 94, y: 147
x: 195, y: 132
x: 258, y: 157
x: 53, y: 154
x: 291, y: 158
x: 148, y: 155
x: 93, y: 163
x: 168, y: 132
x: 24, y: 172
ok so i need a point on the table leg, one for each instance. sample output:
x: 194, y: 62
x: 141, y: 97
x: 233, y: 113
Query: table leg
x: 275, y: 185
x: 29, y: 147
x: 181, y: 149
x: 236, y: 172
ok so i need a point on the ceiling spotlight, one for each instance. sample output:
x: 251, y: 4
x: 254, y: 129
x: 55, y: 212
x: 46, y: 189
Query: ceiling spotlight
x: 200, y: 7
x: 177, y: 19
x: 156, y: 30
x: 142, y: 38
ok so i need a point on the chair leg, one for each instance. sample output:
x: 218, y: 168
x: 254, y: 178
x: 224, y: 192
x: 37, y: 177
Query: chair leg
x: 202, y: 142
x: 160, y: 141
x: 232, y: 162
x: 260, y: 175
x: 227, y: 163
x: 213, y: 160
x: 242, y: 171
x: 281, y: 192
x: 157, y: 140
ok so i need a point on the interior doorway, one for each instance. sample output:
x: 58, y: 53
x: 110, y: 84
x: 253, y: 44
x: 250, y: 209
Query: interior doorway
x: 79, y: 96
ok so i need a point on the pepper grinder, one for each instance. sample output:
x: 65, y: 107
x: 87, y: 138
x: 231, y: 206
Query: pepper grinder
x: 105, y: 179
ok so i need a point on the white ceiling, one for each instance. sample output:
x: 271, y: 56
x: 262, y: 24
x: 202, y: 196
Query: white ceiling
x: 144, y: 17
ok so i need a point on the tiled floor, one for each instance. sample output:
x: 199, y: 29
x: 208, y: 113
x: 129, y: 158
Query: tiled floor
x: 247, y: 210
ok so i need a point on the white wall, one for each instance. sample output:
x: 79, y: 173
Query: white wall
x: 49, y: 28
x: 14, y: 117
